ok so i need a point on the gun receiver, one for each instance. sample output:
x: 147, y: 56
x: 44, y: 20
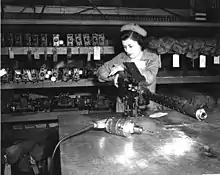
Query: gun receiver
x: 135, y: 83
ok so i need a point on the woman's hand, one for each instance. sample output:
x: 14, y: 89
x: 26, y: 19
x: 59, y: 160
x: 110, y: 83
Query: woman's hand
x: 116, y: 69
x: 116, y: 80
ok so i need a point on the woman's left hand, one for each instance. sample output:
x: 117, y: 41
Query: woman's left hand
x: 116, y: 69
x: 116, y: 80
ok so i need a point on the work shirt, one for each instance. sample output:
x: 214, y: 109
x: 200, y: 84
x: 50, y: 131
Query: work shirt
x: 148, y: 66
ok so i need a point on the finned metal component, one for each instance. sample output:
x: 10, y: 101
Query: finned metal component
x: 122, y: 127
x: 119, y: 126
x: 184, y: 108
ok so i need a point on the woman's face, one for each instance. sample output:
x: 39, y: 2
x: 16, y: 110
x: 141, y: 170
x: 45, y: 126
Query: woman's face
x: 131, y: 47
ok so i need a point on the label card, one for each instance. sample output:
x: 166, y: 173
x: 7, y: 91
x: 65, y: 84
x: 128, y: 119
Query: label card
x: 11, y: 53
x: 89, y: 57
x: 160, y: 63
x: 176, y: 60
x: 36, y: 55
x: 97, y: 53
x: 55, y: 56
x: 202, y: 61
x: 216, y: 59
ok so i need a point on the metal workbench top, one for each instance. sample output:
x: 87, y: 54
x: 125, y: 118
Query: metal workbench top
x: 177, y: 144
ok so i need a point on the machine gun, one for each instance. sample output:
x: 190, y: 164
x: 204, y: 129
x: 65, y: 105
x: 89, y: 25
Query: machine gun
x: 134, y: 103
x: 131, y: 83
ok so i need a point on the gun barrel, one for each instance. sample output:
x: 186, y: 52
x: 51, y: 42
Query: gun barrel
x: 182, y: 107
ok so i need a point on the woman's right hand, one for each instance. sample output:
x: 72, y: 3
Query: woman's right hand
x: 115, y: 69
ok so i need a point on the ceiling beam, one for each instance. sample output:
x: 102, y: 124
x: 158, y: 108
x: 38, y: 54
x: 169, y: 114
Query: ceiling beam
x: 88, y: 10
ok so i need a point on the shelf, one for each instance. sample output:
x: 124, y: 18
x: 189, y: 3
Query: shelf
x: 105, y: 22
x: 49, y: 84
x: 44, y: 116
x: 59, y: 50
x: 40, y: 116
x: 88, y: 83
x: 188, y: 79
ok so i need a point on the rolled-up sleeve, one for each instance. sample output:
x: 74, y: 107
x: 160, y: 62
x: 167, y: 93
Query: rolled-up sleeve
x: 103, y: 72
x: 151, y: 69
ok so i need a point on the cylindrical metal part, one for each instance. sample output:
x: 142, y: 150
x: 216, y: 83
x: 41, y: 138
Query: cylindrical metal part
x: 185, y: 108
x: 122, y: 127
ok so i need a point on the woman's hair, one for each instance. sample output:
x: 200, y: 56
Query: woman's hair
x: 134, y: 36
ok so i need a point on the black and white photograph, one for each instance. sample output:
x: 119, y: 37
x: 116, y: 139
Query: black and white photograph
x: 110, y: 87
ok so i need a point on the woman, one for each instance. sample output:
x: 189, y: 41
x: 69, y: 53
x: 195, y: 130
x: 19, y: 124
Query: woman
x: 132, y: 37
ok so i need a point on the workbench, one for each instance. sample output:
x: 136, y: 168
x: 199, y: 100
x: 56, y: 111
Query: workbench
x: 170, y: 145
